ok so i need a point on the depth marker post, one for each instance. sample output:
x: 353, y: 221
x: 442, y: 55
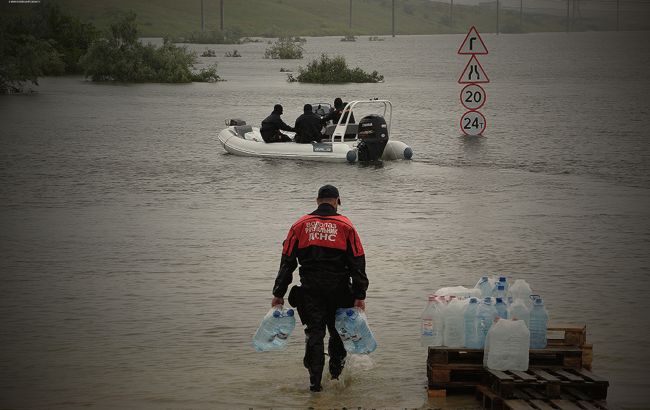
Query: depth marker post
x: 473, y: 96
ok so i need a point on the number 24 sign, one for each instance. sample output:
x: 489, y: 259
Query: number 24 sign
x: 473, y: 123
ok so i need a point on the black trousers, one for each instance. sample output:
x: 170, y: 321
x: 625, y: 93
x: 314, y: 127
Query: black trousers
x: 317, y: 312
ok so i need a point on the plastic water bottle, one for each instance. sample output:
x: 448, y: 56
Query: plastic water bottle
x: 502, y: 309
x: 538, y: 324
x: 454, y: 327
x: 484, y: 286
x: 519, y: 311
x: 432, y: 323
x: 352, y: 325
x: 471, y: 325
x: 274, y: 330
x: 520, y: 290
x: 499, y: 291
x: 485, y: 317
x: 503, y: 281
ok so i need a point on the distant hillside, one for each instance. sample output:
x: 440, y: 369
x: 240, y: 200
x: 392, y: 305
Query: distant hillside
x: 272, y: 18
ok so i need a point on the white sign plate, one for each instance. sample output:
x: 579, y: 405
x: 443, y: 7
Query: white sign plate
x: 473, y: 73
x: 473, y: 43
x: 472, y: 96
x: 472, y: 123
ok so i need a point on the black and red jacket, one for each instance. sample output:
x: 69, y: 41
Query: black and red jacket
x: 329, y: 251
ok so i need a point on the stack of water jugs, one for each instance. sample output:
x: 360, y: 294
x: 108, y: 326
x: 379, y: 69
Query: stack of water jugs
x: 465, y: 317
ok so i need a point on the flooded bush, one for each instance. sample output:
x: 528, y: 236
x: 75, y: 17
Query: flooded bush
x: 334, y: 70
x: 122, y: 57
x: 284, y: 49
x: 209, y: 53
x: 207, y: 75
x: 233, y: 53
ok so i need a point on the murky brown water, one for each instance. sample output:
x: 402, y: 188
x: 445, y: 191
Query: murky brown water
x: 138, y: 258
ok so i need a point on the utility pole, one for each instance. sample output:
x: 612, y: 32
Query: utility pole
x: 393, y: 18
x: 618, y: 14
x: 350, y: 22
x: 451, y: 13
x: 521, y: 15
x: 221, y: 14
x: 202, y: 18
x: 568, y: 17
x: 497, y: 16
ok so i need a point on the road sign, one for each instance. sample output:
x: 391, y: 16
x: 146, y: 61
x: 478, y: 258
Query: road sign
x: 472, y: 96
x: 472, y: 123
x: 473, y: 43
x: 473, y: 73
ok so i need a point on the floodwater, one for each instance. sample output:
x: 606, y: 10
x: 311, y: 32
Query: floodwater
x: 138, y: 257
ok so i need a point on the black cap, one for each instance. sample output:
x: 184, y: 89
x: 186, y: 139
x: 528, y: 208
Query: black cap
x: 328, y: 191
x: 307, y: 108
x: 277, y: 108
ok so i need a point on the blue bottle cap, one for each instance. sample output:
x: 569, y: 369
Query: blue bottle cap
x: 350, y: 312
x: 501, y: 286
x: 290, y: 312
x: 502, y: 278
x: 539, y: 301
x: 499, y: 300
x: 473, y: 300
x: 277, y: 313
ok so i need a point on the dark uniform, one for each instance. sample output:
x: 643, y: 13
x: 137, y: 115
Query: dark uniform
x: 338, y: 111
x: 308, y: 128
x: 332, y: 275
x: 272, y: 125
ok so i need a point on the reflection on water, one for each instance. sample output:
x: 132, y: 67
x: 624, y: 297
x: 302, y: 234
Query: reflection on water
x: 138, y: 257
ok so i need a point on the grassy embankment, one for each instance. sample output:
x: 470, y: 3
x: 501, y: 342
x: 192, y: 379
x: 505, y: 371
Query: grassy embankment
x: 272, y: 18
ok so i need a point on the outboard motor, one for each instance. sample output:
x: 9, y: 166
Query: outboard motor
x: 373, y: 136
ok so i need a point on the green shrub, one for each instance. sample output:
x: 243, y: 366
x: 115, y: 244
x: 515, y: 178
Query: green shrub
x: 24, y: 59
x: 121, y: 57
x: 284, y: 49
x: 207, y: 75
x: 335, y: 71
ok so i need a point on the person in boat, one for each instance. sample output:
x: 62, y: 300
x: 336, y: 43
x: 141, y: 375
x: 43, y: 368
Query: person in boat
x: 338, y: 111
x: 332, y: 275
x: 273, y: 124
x: 308, y: 126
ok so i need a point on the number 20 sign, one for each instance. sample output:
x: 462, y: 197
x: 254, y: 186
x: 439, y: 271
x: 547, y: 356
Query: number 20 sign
x: 472, y: 96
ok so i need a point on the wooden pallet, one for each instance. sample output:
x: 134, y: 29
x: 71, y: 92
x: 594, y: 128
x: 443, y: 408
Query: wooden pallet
x: 548, y: 383
x: 460, y: 369
x: 550, y: 357
x: 565, y: 335
x: 531, y: 400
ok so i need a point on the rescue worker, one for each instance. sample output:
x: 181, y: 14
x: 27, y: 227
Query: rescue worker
x: 336, y: 112
x: 332, y: 275
x: 308, y: 126
x: 272, y: 125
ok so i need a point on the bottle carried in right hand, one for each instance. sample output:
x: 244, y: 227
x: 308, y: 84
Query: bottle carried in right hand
x: 273, y: 332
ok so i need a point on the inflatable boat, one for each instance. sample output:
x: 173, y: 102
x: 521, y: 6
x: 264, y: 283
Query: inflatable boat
x: 368, y: 140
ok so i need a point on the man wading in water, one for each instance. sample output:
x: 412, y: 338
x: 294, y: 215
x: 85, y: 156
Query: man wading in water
x: 332, y: 275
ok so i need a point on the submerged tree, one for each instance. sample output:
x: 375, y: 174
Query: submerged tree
x: 45, y: 42
x: 122, y: 57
